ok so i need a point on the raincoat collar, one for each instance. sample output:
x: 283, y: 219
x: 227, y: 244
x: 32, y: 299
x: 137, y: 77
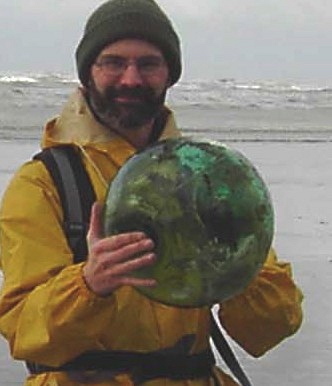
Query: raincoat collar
x: 77, y: 125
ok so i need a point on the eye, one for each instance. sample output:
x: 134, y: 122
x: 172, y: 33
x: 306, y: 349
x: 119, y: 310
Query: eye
x: 112, y: 63
x: 149, y: 64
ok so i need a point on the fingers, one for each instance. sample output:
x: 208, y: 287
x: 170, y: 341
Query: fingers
x: 121, y: 274
x: 113, y: 260
x: 103, y: 278
x: 135, y: 282
x: 119, y: 248
x: 129, y: 266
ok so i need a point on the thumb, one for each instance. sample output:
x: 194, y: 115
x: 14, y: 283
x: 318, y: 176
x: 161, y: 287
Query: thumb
x: 95, y: 228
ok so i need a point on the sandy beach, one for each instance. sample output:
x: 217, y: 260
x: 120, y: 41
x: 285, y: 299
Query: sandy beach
x: 300, y: 182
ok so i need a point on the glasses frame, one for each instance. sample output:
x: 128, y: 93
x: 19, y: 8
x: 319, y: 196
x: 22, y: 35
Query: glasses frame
x: 116, y: 65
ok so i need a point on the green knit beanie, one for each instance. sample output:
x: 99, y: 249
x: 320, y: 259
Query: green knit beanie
x: 120, y: 19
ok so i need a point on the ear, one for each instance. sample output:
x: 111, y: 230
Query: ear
x: 169, y: 82
x: 89, y: 82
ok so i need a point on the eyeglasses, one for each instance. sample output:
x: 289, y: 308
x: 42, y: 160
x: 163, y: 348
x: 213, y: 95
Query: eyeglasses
x: 113, y: 65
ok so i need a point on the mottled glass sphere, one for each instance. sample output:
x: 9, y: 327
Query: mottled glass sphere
x: 208, y: 211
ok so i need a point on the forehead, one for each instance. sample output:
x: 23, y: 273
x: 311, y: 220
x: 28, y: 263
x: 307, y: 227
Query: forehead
x: 131, y: 48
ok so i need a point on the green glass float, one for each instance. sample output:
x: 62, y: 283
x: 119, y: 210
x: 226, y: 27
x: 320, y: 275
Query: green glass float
x: 208, y: 211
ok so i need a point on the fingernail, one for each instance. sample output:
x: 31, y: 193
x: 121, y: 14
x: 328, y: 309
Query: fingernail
x: 151, y: 256
x: 148, y: 243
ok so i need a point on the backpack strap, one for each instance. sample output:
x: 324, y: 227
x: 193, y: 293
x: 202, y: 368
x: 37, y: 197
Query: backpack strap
x: 227, y: 353
x: 75, y: 191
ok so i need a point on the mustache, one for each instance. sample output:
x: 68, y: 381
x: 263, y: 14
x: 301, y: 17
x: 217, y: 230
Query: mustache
x: 139, y: 92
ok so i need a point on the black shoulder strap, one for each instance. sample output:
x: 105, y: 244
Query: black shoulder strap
x: 226, y: 352
x: 75, y: 191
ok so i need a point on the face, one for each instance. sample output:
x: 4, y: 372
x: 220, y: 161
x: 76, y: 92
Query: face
x: 128, y: 84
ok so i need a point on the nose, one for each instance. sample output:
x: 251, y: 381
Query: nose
x: 131, y: 76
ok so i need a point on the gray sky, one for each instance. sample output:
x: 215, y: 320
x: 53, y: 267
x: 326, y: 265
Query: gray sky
x: 242, y: 39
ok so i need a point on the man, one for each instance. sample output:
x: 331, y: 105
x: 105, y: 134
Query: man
x: 53, y: 311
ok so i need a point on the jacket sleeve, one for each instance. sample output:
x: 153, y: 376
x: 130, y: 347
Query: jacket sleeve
x: 44, y: 300
x: 267, y: 312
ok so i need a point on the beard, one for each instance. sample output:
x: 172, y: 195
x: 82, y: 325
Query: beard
x: 142, y: 105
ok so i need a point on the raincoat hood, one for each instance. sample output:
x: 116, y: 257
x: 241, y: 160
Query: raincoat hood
x: 77, y: 125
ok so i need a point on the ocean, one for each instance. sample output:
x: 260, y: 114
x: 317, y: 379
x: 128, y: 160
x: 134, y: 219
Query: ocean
x: 285, y: 129
x: 233, y: 110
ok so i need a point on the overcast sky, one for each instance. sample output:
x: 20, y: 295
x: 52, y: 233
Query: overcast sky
x: 242, y: 39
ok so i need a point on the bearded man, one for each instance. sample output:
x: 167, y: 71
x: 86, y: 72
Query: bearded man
x: 53, y: 311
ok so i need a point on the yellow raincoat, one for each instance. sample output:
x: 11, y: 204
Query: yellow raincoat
x: 49, y: 316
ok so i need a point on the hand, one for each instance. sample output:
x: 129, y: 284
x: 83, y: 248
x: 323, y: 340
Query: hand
x: 112, y: 259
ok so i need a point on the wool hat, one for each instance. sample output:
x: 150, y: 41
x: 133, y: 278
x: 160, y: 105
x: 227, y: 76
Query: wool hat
x: 120, y: 19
